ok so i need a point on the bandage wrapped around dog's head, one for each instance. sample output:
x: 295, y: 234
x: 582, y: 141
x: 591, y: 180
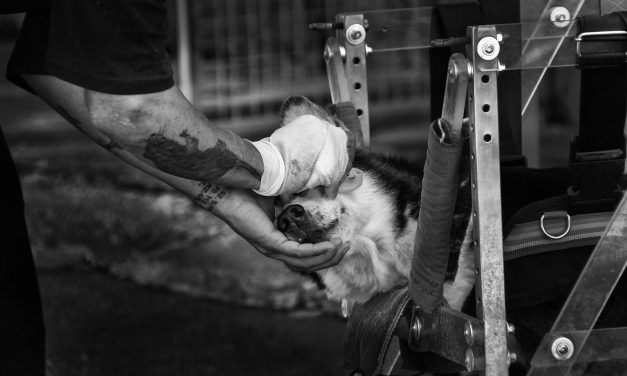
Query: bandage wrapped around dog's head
x: 309, y: 150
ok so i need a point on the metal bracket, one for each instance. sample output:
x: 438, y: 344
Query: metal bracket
x: 450, y: 334
x: 353, y: 39
x: 486, y: 199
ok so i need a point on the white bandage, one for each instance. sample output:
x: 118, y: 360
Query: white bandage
x: 273, y: 168
x: 313, y: 152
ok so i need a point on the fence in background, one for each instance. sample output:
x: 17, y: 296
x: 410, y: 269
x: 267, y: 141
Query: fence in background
x: 249, y: 55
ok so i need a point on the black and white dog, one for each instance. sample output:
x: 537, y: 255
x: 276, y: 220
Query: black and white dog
x: 376, y: 210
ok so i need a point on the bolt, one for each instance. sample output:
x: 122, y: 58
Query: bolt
x: 355, y: 34
x: 488, y: 48
x: 499, y: 37
x: 416, y: 329
x: 512, y: 357
x: 560, y: 16
x: 511, y: 328
x: 327, y: 54
x: 562, y: 348
x: 468, y: 334
x: 469, y: 360
x: 452, y: 72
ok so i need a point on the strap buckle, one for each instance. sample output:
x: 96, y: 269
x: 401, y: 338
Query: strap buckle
x: 606, y: 53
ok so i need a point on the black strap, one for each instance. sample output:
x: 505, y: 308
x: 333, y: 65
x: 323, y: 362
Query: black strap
x: 603, y: 84
x: 598, y: 153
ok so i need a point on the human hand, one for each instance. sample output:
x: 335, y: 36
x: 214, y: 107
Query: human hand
x: 251, y: 216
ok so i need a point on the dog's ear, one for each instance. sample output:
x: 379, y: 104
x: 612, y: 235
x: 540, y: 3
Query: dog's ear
x: 297, y: 106
x: 353, y: 181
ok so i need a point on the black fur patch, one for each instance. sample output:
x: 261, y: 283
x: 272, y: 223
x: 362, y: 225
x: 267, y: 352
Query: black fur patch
x: 397, y: 178
x: 402, y: 181
x: 316, y: 279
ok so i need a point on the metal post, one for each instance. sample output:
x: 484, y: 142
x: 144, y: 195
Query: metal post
x: 486, y: 195
x: 184, y: 51
x: 353, y: 38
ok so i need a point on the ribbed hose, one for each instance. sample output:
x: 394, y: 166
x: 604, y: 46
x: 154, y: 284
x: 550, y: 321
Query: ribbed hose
x: 437, y: 202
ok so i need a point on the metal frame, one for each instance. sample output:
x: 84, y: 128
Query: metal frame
x: 481, y: 344
x: 345, y: 58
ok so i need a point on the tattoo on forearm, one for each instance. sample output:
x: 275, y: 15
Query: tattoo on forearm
x: 188, y: 162
x: 77, y: 123
x: 209, y: 195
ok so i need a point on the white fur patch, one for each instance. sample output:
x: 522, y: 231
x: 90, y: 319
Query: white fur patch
x: 379, y: 259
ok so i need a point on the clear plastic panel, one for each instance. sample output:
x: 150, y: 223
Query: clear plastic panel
x: 536, y: 45
x: 399, y: 29
x: 552, y: 21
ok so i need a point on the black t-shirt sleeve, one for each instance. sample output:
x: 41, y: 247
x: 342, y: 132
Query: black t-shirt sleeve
x: 111, y: 46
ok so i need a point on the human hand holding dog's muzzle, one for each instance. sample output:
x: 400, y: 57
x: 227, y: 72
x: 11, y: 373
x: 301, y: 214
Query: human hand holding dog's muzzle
x: 252, y: 217
x: 305, y: 153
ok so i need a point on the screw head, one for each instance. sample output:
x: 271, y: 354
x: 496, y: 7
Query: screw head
x: 560, y: 16
x: 355, y: 34
x: 562, y: 348
x: 488, y: 48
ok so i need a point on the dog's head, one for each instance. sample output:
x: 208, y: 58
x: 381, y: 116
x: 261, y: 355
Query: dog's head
x: 309, y: 216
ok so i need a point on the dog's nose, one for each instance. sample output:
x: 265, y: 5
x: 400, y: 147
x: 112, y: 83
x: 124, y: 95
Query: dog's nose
x: 292, y: 214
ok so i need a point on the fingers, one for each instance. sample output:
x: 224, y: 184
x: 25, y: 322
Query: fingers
x: 324, y: 261
x: 294, y: 250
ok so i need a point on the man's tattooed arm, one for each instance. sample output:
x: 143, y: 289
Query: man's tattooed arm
x: 187, y: 161
x: 209, y: 195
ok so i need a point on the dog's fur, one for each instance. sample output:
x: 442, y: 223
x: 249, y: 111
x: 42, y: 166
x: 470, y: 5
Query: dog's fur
x: 379, y: 219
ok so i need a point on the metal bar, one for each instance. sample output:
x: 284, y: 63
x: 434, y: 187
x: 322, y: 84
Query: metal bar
x: 352, y: 37
x: 486, y: 196
x: 184, y: 50
x: 455, y: 93
x: 587, y: 299
x: 335, y: 71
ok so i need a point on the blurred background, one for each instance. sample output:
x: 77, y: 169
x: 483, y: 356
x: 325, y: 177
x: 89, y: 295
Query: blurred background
x: 135, y: 279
